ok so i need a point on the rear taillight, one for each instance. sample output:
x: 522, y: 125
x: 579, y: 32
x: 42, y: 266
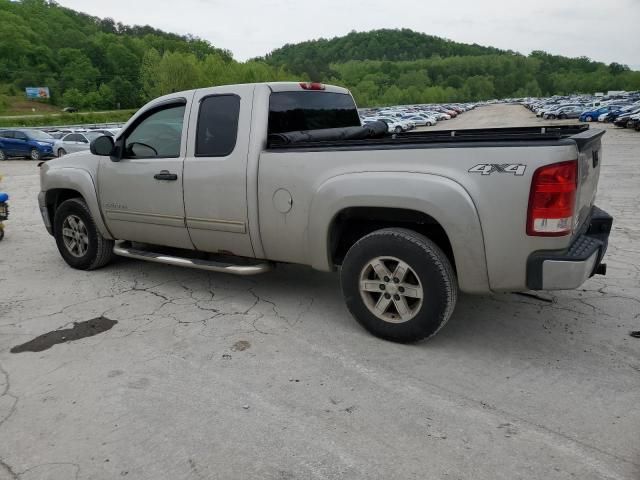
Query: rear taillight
x: 312, y: 86
x: 552, y: 200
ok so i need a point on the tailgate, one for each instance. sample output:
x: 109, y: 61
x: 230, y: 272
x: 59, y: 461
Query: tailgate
x: 589, y: 145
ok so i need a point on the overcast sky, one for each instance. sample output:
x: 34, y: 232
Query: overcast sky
x: 604, y: 30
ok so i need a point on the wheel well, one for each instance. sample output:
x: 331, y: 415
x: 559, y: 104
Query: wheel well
x: 351, y: 224
x: 56, y: 196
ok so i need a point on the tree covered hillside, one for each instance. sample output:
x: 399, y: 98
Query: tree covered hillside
x: 97, y: 64
x: 402, y: 66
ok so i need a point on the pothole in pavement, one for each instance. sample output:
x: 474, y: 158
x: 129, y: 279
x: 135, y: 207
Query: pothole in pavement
x: 79, y: 330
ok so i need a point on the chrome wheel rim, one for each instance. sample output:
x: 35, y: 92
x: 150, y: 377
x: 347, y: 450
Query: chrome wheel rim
x: 35, y: 155
x: 391, y: 289
x: 2, y: 155
x: 75, y: 236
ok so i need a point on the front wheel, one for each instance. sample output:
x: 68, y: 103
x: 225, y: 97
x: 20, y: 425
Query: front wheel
x: 398, y: 130
x: 589, y: 119
x: 78, y: 240
x: 3, y: 156
x: 35, y: 154
x: 399, y: 285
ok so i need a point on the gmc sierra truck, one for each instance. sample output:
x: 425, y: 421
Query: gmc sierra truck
x: 239, y: 178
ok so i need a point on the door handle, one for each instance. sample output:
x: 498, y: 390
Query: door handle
x: 165, y: 175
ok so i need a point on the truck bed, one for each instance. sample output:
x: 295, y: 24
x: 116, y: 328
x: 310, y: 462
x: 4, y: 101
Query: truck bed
x: 553, y: 134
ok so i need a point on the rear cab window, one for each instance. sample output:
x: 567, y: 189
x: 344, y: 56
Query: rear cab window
x: 311, y: 110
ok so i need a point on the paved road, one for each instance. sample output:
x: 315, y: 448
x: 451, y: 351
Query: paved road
x: 207, y: 376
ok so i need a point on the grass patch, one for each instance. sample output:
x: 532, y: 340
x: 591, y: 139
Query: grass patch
x: 68, y: 119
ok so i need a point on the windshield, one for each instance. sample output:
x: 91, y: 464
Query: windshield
x: 38, y: 135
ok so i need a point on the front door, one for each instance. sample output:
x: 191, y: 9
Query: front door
x: 215, y: 171
x: 141, y: 195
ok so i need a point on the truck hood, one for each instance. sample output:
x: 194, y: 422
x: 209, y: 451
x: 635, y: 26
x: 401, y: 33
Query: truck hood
x: 82, y: 160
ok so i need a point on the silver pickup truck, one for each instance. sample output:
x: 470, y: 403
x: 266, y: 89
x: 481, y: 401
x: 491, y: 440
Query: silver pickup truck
x: 238, y: 178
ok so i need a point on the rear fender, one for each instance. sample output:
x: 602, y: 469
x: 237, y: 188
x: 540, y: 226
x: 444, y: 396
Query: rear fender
x: 441, y: 198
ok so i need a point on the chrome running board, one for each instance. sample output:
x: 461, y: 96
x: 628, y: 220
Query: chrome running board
x: 125, y: 249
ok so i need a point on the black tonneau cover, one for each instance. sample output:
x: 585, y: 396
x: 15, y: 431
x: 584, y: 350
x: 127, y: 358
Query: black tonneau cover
x: 371, y: 130
x: 372, y: 135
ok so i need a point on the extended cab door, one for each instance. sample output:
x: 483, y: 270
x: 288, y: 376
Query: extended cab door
x: 141, y: 194
x: 215, y: 170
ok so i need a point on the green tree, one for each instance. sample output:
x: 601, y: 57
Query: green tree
x: 73, y: 98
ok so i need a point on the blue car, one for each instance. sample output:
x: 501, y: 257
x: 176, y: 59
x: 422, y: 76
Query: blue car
x: 26, y: 143
x: 592, y: 115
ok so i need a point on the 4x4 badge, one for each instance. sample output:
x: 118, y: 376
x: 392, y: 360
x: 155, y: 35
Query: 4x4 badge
x: 489, y: 168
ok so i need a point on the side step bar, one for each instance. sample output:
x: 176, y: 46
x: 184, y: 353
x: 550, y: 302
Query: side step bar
x: 125, y: 249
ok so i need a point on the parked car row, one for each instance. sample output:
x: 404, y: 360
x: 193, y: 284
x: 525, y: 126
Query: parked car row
x: 41, y: 144
x: 623, y: 109
x: 403, y: 118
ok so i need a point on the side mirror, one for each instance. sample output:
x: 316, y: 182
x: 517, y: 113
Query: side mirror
x: 102, y: 146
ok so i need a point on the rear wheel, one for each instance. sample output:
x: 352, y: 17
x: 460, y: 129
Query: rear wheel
x: 398, y: 130
x: 3, y: 156
x: 589, y: 118
x: 399, y: 285
x: 61, y: 152
x: 77, y: 237
x: 35, y: 154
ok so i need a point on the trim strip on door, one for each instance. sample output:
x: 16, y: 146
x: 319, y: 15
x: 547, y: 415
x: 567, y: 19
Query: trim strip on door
x: 216, y: 224
x: 141, y: 217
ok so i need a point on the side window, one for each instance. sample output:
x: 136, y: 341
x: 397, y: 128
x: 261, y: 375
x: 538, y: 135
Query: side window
x: 217, y: 125
x: 6, y: 134
x: 19, y: 136
x: 157, y: 136
x: 74, y: 137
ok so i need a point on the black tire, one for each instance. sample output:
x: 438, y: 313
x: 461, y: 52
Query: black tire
x: 61, y: 152
x: 99, y: 251
x: 430, y: 268
x: 3, y: 156
x: 35, y: 154
x: 1, y: 234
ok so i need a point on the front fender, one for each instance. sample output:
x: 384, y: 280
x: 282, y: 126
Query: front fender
x: 441, y: 198
x: 73, y: 178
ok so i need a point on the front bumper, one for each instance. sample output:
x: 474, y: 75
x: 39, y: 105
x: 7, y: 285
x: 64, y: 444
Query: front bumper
x: 568, y: 269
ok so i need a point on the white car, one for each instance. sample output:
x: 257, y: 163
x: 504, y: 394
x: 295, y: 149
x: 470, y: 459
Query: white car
x: 74, y: 142
x: 422, y: 120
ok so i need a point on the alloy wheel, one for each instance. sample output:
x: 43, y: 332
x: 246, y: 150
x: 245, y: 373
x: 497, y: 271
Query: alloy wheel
x: 75, y: 236
x: 391, y: 289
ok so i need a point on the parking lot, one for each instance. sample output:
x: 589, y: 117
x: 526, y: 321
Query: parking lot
x: 208, y: 376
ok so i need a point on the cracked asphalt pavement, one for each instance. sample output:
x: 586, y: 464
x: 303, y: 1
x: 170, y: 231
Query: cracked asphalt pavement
x: 209, y: 376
